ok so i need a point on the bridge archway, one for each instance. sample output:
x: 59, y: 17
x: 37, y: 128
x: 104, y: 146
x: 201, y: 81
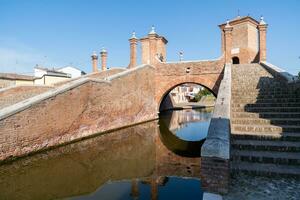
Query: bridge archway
x: 164, y: 97
x: 235, y: 60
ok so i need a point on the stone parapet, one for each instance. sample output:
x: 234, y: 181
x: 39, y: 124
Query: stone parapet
x: 217, y: 143
x: 278, y: 72
x: 215, y: 152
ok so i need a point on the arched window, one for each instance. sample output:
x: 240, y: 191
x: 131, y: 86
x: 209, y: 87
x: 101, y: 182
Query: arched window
x: 235, y: 60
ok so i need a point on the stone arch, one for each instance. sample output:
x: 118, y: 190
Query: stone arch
x: 167, y: 89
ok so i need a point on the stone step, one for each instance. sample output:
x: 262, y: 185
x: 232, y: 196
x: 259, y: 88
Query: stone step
x: 274, y: 157
x: 254, y: 84
x: 237, y: 88
x: 272, y: 100
x: 265, y: 169
x: 242, y: 105
x: 265, y: 128
x: 260, y: 121
x: 262, y: 93
x: 267, y: 109
x: 266, y: 145
x: 246, y: 95
x: 265, y: 115
x: 282, y: 136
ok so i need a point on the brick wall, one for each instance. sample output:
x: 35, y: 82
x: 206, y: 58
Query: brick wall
x: 13, y: 95
x: 215, y: 175
x: 169, y: 75
x: 78, y: 112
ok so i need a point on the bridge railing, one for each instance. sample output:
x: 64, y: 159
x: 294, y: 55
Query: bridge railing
x: 215, y: 152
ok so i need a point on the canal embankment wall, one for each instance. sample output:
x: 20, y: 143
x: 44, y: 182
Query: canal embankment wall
x: 76, y: 110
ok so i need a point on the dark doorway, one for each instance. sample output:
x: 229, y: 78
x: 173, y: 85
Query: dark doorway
x: 235, y: 60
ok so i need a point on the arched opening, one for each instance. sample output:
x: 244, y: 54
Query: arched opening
x: 185, y: 113
x: 235, y: 60
x: 188, y: 94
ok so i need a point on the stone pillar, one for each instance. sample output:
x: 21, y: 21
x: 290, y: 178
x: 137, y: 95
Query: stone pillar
x: 228, y: 42
x: 262, y: 30
x: 103, y: 54
x: 95, y: 62
x: 133, y: 50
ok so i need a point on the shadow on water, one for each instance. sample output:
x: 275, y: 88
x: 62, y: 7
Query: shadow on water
x: 124, y: 164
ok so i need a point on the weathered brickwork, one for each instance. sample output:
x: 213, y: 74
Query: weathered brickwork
x: 170, y: 75
x: 84, y: 110
x: 215, y: 175
x: 248, y: 40
x: 13, y: 95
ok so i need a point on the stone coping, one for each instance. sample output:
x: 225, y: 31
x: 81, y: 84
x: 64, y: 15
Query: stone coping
x: 217, y: 143
x: 275, y: 69
x: 193, y: 61
x: 20, y: 106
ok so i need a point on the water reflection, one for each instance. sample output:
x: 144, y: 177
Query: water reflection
x: 126, y: 164
x: 184, y: 131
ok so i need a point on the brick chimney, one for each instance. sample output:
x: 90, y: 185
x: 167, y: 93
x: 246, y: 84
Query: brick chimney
x: 95, y: 62
x: 103, y: 55
x: 262, y: 30
x: 133, y: 50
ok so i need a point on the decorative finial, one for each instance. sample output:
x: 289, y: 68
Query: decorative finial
x: 133, y: 35
x: 103, y: 50
x: 227, y: 23
x: 262, y: 20
x: 152, y: 30
x: 94, y: 53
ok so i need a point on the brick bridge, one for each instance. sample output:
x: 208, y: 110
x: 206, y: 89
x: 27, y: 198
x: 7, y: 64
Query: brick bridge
x: 37, y: 117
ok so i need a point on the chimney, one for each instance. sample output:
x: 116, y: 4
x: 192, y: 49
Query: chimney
x: 95, y: 62
x: 133, y: 50
x: 103, y: 55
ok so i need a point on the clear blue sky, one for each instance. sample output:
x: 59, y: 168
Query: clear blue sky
x: 60, y: 32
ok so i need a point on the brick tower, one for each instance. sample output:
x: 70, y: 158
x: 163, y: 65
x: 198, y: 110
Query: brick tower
x: 153, y: 48
x: 244, y: 40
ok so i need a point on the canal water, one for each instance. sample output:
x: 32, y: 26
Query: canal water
x: 153, y: 160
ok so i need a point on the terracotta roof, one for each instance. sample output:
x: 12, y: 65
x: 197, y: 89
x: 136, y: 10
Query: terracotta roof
x: 13, y: 76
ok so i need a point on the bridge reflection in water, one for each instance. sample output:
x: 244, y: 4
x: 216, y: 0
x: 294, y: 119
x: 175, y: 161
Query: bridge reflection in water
x: 153, y: 159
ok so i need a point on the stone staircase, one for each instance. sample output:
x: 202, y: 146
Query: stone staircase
x: 265, y: 123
